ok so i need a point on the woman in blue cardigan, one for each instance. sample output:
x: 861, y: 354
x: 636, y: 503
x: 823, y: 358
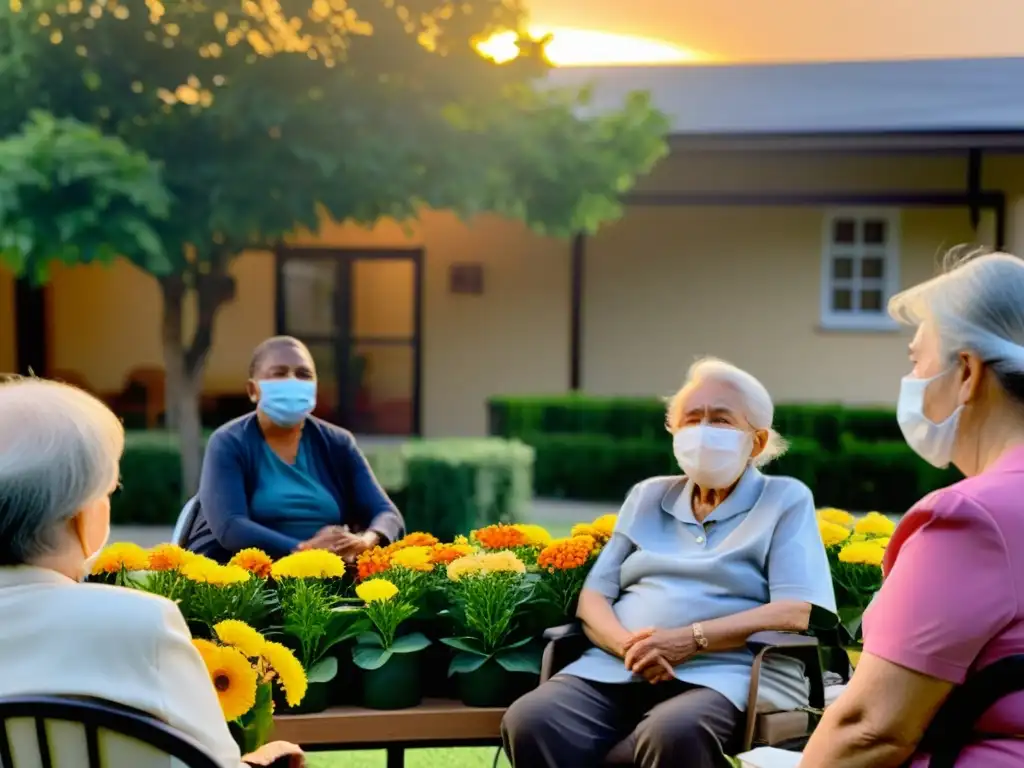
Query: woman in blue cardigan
x: 283, y: 480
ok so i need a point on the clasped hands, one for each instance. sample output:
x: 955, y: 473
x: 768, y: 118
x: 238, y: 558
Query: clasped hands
x: 654, y: 653
x: 341, y: 541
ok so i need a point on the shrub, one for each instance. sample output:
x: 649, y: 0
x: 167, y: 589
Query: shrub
x: 150, y: 492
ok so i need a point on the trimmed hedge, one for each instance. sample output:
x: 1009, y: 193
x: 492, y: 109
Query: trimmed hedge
x: 591, y: 448
x: 442, y: 486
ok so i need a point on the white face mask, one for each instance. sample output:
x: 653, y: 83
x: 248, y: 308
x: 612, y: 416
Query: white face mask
x: 932, y: 442
x: 712, y: 457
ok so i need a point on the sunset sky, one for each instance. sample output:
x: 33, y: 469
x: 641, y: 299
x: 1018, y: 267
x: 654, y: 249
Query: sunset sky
x: 779, y: 30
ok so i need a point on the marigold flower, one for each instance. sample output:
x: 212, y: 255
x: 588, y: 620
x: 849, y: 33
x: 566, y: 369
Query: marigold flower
x: 875, y: 524
x: 442, y: 554
x: 536, y: 535
x: 837, y: 516
x: 205, y: 571
x: 567, y: 554
x: 167, y: 557
x: 309, y: 564
x: 584, y: 529
x: 832, y: 534
x: 372, y: 562
x: 125, y: 555
x: 500, y: 536
x: 254, y: 561
x: 882, y: 542
x: 484, y: 563
x: 415, y: 558
x: 460, y: 539
x: 289, y: 671
x: 605, y: 525
x: 375, y: 590
x: 862, y: 552
x: 415, y: 539
x: 240, y: 635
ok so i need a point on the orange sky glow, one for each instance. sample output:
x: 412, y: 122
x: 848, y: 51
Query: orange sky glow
x: 582, y: 47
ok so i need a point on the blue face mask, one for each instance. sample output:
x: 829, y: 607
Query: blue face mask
x: 286, y: 402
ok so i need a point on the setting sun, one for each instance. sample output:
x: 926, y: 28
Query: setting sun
x: 582, y: 47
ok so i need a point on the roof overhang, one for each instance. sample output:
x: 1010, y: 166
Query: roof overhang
x: 924, y: 141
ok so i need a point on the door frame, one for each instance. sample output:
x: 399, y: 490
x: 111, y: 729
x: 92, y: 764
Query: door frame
x: 343, y: 339
x: 31, y: 328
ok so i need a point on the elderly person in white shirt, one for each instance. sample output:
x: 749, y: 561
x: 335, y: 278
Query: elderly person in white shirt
x: 697, y: 564
x: 60, y: 450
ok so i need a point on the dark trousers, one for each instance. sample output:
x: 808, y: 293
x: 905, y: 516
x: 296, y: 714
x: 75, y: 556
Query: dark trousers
x: 572, y: 723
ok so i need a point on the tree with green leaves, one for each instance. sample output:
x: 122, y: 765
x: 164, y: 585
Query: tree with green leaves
x: 264, y: 115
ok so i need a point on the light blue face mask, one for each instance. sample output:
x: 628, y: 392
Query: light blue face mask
x: 286, y: 402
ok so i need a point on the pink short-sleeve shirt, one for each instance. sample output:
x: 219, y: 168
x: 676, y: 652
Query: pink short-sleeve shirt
x: 951, y: 600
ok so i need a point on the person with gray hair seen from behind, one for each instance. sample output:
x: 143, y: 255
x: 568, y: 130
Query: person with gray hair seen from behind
x: 696, y: 564
x: 60, y: 450
x: 951, y: 606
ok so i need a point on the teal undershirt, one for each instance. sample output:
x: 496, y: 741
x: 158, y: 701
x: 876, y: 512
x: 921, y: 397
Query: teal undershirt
x: 289, y: 499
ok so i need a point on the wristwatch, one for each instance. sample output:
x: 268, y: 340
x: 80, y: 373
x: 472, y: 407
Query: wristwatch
x: 698, y: 636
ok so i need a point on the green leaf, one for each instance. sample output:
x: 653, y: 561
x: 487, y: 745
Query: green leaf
x: 370, y: 639
x: 465, y: 644
x: 517, y: 644
x: 519, y: 660
x: 411, y: 643
x: 369, y: 657
x: 324, y: 670
x: 463, y: 663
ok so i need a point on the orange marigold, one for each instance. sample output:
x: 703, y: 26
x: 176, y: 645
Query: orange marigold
x: 415, y: 539
x: 567, y: 554
x: 500, y: 536
x: 167, y: 557
x: 373, y: 561
x: 446, y: 553
x: 254, y: 561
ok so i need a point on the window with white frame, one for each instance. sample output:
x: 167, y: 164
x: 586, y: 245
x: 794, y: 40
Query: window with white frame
x: 860, y: 269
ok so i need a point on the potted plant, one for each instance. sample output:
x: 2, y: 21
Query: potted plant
x: 487, y: 593
x: 390, y: 662
x: 245, y: 669
x: 563, y: 567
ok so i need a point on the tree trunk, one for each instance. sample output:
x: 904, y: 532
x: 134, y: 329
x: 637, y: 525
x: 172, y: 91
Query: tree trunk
x: 190, y: 431
x: 173, y: 289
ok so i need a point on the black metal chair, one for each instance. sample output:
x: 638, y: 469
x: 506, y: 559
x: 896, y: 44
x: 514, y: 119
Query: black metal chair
x: 763, y: 726
x: 186, y: 523
x: 95, y: 717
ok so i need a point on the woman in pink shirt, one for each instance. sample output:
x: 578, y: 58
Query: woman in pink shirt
x: 951, y: 603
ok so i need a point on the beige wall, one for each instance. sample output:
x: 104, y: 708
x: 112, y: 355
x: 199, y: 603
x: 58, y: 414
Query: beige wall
x: 8, y: 353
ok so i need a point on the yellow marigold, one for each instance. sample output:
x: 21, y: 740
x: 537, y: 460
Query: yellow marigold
x: 309, y: 564
x: 832, y: 534
x: 240, y: 635
x: 484, y: 563
x: 125, y: 555
x: 837, y: 516
x: 500, y: 536
x: 875, y: 524
x: 375, y: 590
x: 460, y: 539
x: 864, y: 552
x: 605, y: 525
x: 207, y: 649
x: 883, y: 542
x: 167, y: 557
x: 566, y: 554
x: 443, y: 554
x: 536, y: 535
x: 414, y: 558
x: 585, y: 529
x: 254, y: 560
x: 235, y: 680
x: 208, y: 572
x: 288, y: 670
x: 415, y: 539
x: 373, y: 561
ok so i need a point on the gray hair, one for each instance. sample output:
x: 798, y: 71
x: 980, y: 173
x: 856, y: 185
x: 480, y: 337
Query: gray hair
x: 59, y: 451
x: 758, y: 408
x: 977, y: 304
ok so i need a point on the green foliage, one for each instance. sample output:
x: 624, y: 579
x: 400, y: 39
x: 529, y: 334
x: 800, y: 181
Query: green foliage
x: 315, y: 621
x: 70, y: 194
x: 597, y: 448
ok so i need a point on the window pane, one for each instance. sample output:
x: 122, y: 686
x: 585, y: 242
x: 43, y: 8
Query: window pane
x: 324, y: 358
x: 842, y: 300
x: 308, y: 296
x: 844, y: 231
x: 382, y: 378
x: 871, y: 300
x: 872, y: 267
x: 842, y: 267
x: 383, y: 293
x: 875, y: 232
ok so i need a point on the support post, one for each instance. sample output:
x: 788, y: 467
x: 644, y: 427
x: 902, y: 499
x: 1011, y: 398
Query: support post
x: 579, y: 243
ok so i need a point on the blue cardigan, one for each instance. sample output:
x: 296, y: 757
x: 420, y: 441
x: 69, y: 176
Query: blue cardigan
x: 223, y: 525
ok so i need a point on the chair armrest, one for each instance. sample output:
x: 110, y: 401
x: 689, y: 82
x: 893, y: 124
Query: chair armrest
x: 553, y: 634
x: 773, y: 639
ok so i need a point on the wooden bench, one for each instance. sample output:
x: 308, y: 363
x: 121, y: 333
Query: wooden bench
x: 434, y: 723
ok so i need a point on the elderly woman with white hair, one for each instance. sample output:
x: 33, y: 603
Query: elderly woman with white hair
x: 60, y: 450
x: 952, y: 603
x: 697, y: 564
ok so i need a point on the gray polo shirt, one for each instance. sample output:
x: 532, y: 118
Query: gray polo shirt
x: 662, y: 568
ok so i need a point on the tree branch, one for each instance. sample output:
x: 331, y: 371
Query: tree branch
x: 214, y: 289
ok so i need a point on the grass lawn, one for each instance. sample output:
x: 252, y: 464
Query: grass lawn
x: 414, y: 758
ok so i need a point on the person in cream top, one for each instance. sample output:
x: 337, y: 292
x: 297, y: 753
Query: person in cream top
x: 60, y: 450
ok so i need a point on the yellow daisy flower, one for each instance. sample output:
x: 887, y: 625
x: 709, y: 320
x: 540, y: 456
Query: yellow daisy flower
x: 240, y: 635
x: 289, y: 671
x: 235, y: 680
x: 207, y: 649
